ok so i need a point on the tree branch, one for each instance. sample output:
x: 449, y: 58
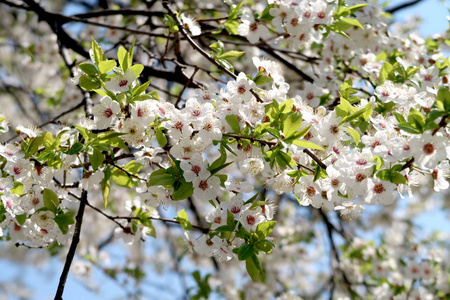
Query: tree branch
x: 73, y: 246
x: 402, y: 6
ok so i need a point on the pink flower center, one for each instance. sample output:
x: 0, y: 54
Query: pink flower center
x: 17, y: 170
x: 428, y: 77
x: 361, y: 161
x: 38, y: 170
x: 302, y: 37
x: 196, y: 169
x: 376, y: 143
x: 218, y: 220
x: 334, y: 182
x: 360, y: 177
x: 35, y: 201
x: 241, y: 89
x: 203, y: 185
x: 307, y: 14
x: 196, y: 112
x: 378, y: 188
x: 321, y: 15
x: 428, y: 149
x: 310, y: 191
x: 108, y: 113
x: 294, y: 22
x: 251, y: 220
x: 253, y: 27
x: 178, y: 125
x: 235, y: 210
x: 334, y: 129
x: 140, y: 112
x: 310, y: 96
x: 435, y: 174
x: 123, y: 83
x: 336, y: 150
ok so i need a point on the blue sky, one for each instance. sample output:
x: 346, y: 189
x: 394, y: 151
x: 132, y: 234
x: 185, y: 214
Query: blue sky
x: 43, y: 281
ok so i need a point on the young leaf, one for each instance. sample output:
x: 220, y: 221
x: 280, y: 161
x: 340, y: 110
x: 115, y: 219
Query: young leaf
x: 51, y: 200
x: 233, y: 121
x: 183, y: 219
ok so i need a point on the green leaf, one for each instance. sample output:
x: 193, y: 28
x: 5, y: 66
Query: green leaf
x: 17, y: 188
x: 137, y: 69
x: 161, y: 137
x: 184, y: 191
x: 254, y: 268
x: 261, y: 79
x: 21, y: 218
x: 96, y: 158
x: 64, y: 220
x: 265, y: 246
x: 386, y: 69
x: 443, y: 99
x: 320, y: 173
x: 51, y: 200
x: 230, y: 54
x: 122, y: 56
x: 89, y: 69
x: 217, y: 47
x: 220, y: 161
x: 354, y: 134
x: 353, y: 22
x: 416, y: 119
x: 106, y: 66
x: 89, y: 83
x: 49, y: 140
x: 183, y: 219
x: 392, y: 176
x: 97, y: 52
x: 34, y: 145
x: 76, y: 148
x: 245, y: 251
x: 233, y: 121
x: 356, y: 114
x: 121, y: 178
x: 357, y: 7
x: 408, y: 128
x: 306, y: 144
x: 141, y: 89
x: 292, y: 124
x: 264, y: 229
x: 171, y: 23
x: 379, y: 163
x: 161, y: 177
x: 110, y: 138
x: 297, y: 135
x: 83, y: 132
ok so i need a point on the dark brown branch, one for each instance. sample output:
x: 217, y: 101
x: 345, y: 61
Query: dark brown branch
x: 335, y: 254
x: 408, y: 164
x: 252, y: 139
x: 441, y: 124
x: 78, y: 218
x: 28, y: 246
x: 402, y: 6
x: 161, y: 219
x: 315, y: 158
x: 73, y: 246
x: 291, y: 66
